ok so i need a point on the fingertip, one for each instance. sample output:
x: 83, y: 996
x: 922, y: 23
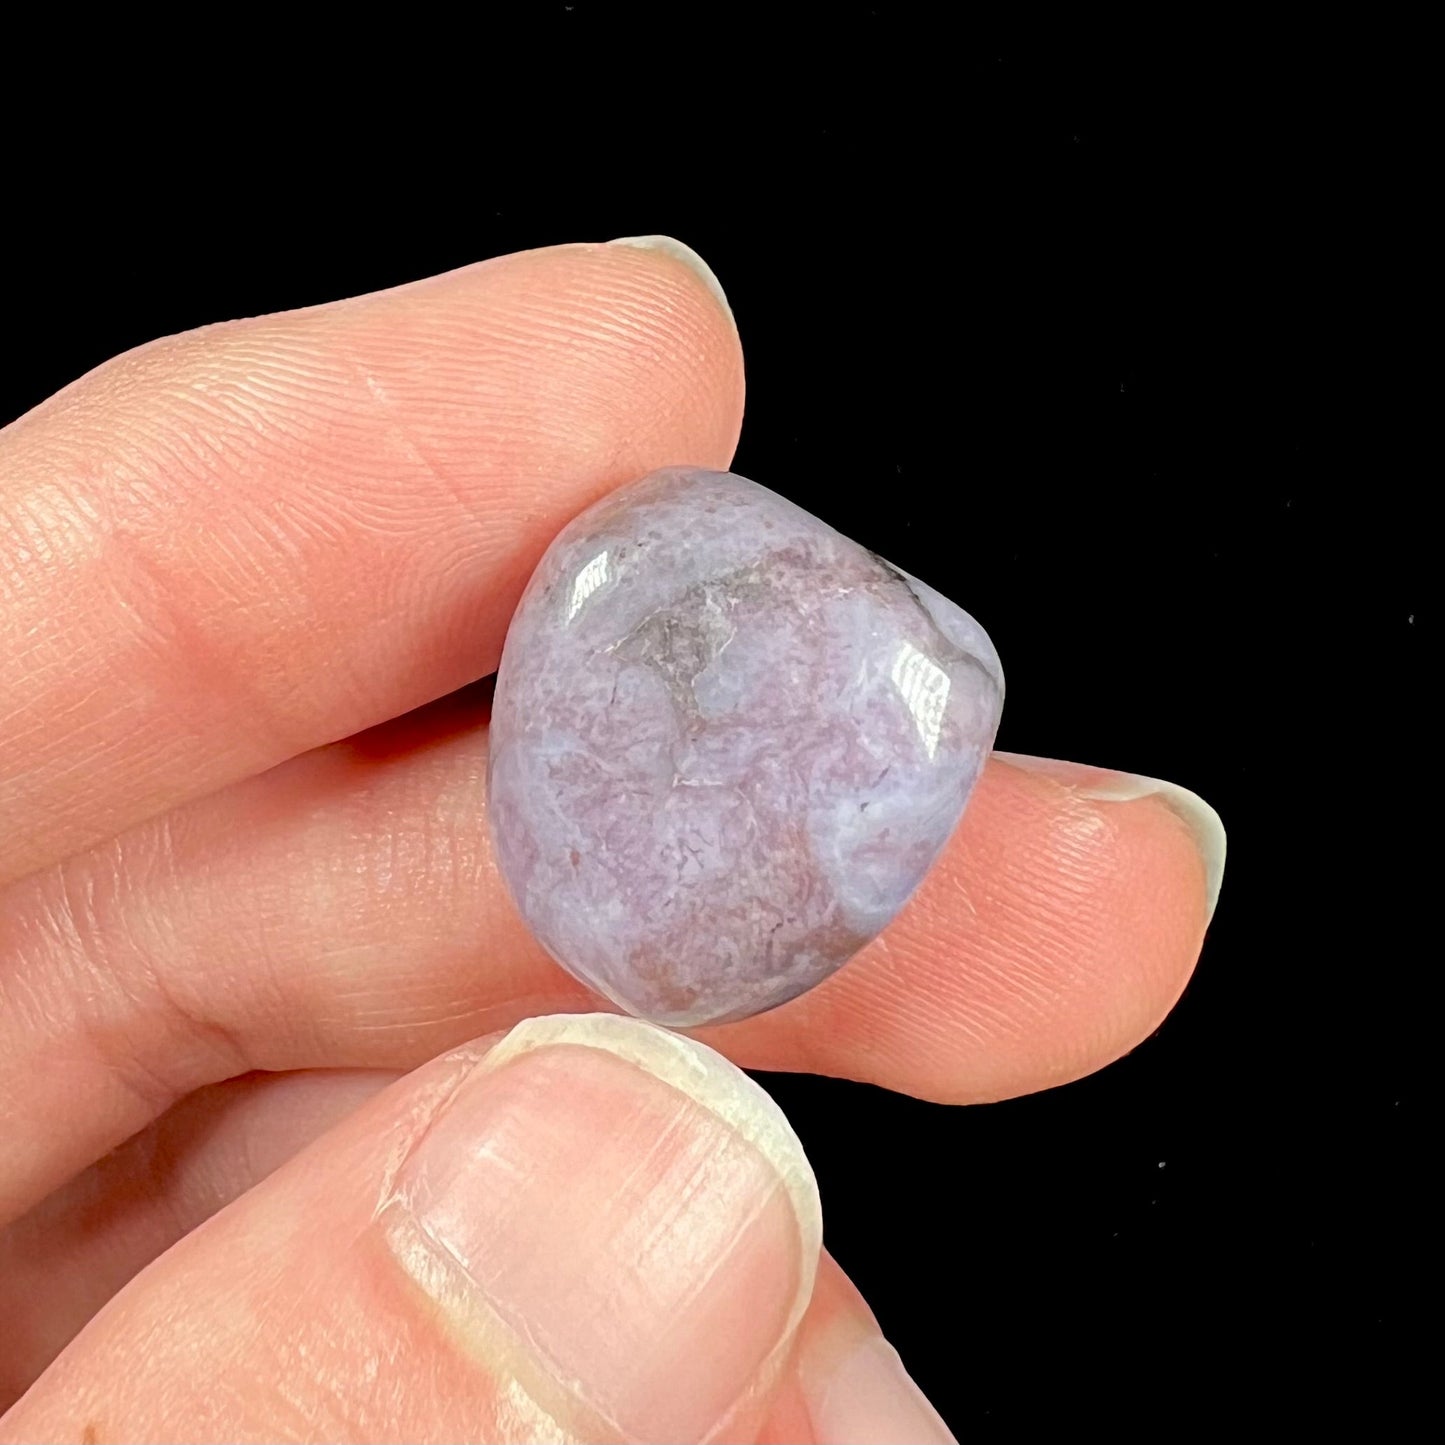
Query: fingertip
x: 670, y: 246
x: 647, y: 317
x: 683, y: 283
x: 1103, y: 898
x: 1202, y: 823
x: 619, y: 1221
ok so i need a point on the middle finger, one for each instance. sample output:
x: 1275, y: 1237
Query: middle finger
x: 344, y: 910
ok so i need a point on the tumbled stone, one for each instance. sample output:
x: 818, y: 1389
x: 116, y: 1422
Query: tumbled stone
x: 727, y: 743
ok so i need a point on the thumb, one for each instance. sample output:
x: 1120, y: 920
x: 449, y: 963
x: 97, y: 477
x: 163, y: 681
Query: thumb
x: 594, y: 1229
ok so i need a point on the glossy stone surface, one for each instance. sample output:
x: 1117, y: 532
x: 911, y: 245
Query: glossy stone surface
x: 727, y: 743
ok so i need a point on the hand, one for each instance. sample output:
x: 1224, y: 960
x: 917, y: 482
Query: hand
x: 237, y: 570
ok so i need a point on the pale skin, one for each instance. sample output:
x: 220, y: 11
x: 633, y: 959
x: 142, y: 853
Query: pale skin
x: 243, y: 573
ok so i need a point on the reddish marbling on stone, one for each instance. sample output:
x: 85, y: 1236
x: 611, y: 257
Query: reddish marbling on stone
x: 727, y: 743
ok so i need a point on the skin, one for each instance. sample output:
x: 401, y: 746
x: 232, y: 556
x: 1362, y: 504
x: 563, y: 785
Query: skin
x: 243, y: 575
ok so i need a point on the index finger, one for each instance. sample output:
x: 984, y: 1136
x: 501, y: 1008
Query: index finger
x: 231, y: 546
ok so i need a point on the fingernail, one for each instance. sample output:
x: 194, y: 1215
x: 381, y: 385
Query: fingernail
x: 689, y: 258
x: 858, y: 1393
x: 618, y: 1223
x: 1106, y: 786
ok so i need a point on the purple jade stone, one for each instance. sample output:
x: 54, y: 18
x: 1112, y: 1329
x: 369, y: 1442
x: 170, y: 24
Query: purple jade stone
x: 727, y: 744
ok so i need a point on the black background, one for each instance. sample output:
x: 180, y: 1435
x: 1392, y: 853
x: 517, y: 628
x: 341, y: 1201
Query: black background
x: 1064, y: 329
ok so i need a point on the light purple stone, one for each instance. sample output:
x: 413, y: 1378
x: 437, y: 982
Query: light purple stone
x: 727, y: 743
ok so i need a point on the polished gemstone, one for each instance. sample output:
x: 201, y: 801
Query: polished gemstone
x: 727, y: 744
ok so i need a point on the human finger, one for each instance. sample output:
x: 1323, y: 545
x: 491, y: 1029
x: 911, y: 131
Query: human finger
x: 61, y: 1261
x: 234, y: 545
x: 345, y: 911
x: 64, y: 1260
x: 593, y: 1230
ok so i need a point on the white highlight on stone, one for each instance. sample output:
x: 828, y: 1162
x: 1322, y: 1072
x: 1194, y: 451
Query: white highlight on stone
x: 592, y: 576
x: 924, y: 687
